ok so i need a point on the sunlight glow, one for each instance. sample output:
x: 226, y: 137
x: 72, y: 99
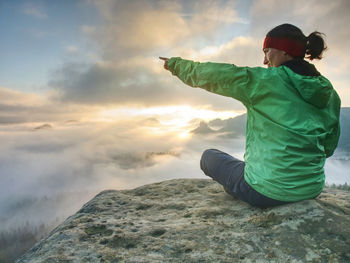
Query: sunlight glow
x: 176, y: 121
x: 171, y: 115
x: 209, y: 51
x: 184, y: 135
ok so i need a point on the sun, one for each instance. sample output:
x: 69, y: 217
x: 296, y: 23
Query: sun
x: 184, y: 135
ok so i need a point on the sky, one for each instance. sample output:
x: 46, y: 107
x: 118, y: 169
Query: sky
x: 86, y: 105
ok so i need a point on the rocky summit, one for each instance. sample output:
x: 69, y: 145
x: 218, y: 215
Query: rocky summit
x: 194, y: 220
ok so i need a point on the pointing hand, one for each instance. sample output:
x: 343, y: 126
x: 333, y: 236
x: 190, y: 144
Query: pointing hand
x: 166, y: 60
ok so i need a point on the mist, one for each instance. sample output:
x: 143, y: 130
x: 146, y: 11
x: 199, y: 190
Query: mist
x: 48, y: 174
x: 48, y: 171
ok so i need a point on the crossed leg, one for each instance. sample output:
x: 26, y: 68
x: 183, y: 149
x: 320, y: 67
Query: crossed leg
x: 229, y: 172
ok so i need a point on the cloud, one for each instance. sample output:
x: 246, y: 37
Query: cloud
x: 128, y: 84
x: 19, y: 107
x: 37, y: 11
x: 16, y: 104
x: 18, y: 97
x: 139, y: 160
x: 241, y: 51
x: 132, y: 36
x: 72, y: 49
x: 88, y: 158
x: 89, y: 30
x: 143, y: 26
x: 107, y: 83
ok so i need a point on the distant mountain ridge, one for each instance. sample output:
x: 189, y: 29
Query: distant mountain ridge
x: 235, y: 127
x: 203, y: 128
x: 344, y: 140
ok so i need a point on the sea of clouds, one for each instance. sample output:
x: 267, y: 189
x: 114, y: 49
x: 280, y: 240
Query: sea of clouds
x: 49, y: 171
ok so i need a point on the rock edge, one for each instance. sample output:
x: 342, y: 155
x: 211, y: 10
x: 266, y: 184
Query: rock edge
x: 194, y: 220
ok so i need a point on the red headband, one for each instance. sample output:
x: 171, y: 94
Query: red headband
x: 292, y: 47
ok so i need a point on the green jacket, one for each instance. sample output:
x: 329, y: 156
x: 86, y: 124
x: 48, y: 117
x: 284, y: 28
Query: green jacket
x: 292, y: 123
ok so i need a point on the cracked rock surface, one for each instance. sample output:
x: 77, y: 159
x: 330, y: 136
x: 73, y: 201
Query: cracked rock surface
x: 194, y: 220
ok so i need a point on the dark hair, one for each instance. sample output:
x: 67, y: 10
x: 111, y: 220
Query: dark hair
x: 314, y: 43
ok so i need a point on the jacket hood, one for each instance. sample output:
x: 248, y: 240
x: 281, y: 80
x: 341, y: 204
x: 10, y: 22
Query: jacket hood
x: 311, y: 85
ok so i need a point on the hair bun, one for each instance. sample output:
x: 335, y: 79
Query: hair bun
x: 315, y: 45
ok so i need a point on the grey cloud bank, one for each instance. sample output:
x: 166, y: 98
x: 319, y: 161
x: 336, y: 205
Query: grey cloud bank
x: 128, y: 71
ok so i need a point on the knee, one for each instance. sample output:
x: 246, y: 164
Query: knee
x: 209, y: 152
x: 206, y: 156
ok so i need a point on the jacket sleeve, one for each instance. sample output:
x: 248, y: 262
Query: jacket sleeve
x: 332, y: 138
x: 332, y: 141
x: 220, y: 78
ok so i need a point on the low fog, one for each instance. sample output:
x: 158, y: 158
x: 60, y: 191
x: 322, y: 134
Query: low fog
x: 49, y: 171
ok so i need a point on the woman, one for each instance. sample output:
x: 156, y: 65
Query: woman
x: 292, y: 119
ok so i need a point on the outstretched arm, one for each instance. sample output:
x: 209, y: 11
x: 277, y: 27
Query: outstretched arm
x: 220, y: 78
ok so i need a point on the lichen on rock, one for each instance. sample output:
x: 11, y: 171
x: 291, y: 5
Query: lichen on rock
x: 194, y: 220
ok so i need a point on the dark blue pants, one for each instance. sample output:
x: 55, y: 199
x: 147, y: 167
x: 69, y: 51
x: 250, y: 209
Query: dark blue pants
x: 229, y: 172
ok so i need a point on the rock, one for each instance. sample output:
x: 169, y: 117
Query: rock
x: 194, y: 220
x: 203, y: 128
x: 43, y: 127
